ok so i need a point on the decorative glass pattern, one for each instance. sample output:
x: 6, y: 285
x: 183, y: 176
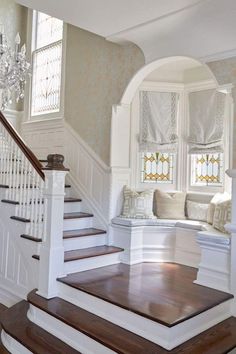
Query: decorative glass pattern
x: 157, y: 167
x: 49, y: 30
x: 207, y: 169
x: 46, y: 83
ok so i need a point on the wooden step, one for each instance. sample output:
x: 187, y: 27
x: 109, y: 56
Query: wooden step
x: 219, y: 339
x: 18, y: 218
x: 31, y: 238
x: 90, y: 252
x: 72, y: 200
x: 77, y: 215
x: 67, y: 185
x: 16, y: 324
x: 82, y: 233
x: 102, y: 331
x: 7, y: 201
x: 2, y: 348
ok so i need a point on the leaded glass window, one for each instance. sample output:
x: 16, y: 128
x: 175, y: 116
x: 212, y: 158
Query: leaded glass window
x: 47, y: 65
x: 157, y: 167
x: 207, y: 169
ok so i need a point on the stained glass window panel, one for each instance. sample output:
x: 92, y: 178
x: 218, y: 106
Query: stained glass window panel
x: 157, y: 167
x: 207, y: 169
x: 46, y: 81
x: 49, y: 30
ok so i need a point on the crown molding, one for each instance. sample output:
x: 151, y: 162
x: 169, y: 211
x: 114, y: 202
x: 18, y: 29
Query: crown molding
x: 219, y: 56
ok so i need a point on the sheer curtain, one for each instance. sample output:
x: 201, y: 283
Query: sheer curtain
x: 206, y: 121
x: 158, y: 121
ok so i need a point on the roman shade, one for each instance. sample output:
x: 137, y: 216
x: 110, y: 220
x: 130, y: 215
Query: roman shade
x: 158, y: 121
x: 206, y: 121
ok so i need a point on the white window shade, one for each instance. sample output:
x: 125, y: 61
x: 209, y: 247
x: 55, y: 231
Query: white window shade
x: 206, y: 121
x: 158, y: 123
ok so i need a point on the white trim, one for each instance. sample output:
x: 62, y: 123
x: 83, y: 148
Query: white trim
x: 12, y: 345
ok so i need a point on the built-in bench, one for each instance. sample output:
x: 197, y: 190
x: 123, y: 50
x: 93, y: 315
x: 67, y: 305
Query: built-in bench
x: 192, y: 243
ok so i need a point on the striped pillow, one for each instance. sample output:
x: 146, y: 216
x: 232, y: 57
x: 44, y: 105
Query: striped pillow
x: 138, y: 205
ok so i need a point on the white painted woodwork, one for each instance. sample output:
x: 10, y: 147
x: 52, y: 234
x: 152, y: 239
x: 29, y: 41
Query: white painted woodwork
x: 67, y: 334
x: 51, y: 264
x: 167, y: 337
x: 13, y: 346
x: 81, y: 265
x: 73, y: 207
x: 85, y: 242
x: 77, y: 223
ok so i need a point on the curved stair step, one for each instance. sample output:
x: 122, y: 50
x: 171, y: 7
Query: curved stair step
x: 16, y: 324
x: 72, y: 200
x: 100, y: 330
x: 77, y: 215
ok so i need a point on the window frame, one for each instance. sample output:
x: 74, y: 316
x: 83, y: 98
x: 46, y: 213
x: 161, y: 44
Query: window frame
x: 31, y: 43
x: 182, y: 163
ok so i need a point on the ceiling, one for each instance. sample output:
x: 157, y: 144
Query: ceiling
x: 195, y: 28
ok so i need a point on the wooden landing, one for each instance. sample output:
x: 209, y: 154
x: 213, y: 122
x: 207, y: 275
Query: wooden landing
x: 164, y: 292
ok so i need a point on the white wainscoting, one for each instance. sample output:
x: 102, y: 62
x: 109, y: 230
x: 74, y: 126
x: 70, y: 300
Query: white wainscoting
x: 14, y: 117
x: 89, y: 175
x: 44, y: 137
x: 18, y: 270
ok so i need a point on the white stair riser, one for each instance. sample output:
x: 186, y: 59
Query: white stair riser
x: 84, y: 242
x: 166, y: 337
x: 72, y: 207
x: 12, y: 345
x: 67, y: 334
x: 91, y: 263
x: 75, y: 224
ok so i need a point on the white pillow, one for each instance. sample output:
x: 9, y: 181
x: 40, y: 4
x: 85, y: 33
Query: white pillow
x: 170, y: 205
x: 222, y: 215
x: 218, y: 198
x: 197, y: 211
x: 138, y: 205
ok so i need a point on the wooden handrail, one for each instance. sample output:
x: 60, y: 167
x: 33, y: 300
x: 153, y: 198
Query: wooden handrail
x: 18, y: 140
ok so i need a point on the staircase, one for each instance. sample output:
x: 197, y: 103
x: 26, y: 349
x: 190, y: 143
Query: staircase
x: 78, y: 274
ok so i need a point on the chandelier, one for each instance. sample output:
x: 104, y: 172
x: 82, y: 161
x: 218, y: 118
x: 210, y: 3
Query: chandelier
x: 14, y: 70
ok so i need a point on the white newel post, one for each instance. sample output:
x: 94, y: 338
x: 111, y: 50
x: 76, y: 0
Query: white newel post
x: 52, y: 250
x: 232, y: 229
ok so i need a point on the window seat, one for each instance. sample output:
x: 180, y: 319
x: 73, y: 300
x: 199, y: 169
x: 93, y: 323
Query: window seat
x: 189, y: 242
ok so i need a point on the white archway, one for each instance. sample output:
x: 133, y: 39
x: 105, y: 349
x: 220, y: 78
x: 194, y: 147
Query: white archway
x: 138, y: 78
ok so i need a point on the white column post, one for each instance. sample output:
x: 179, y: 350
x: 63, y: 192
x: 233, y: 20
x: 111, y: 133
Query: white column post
x: 232, y: 229
x: 52, y: 251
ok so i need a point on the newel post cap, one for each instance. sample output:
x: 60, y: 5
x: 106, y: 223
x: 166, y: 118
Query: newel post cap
x: 55, y: 162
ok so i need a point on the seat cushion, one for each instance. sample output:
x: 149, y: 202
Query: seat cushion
x: 143, y: 222
x: 192, y: 225
x: 214, y: 236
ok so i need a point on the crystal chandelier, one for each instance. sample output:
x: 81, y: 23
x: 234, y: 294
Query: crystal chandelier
x: 14, y: 70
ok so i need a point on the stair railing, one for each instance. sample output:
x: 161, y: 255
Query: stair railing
x: 22, y: 175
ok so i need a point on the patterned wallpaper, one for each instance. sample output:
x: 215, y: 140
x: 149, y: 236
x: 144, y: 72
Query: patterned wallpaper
x: 14, y: 19
x: 97, y: 73
x: 225, y: 73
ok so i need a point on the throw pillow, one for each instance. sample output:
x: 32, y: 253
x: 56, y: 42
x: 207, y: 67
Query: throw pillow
x: 170, y: 205
x: 218, y: 198
x: 138, y: 205
x: 222, y: 215
x: 197, y: 211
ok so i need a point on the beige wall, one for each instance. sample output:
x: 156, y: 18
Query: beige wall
x: 97, y: 72
x: 14, y: 19
x: 225, y: 73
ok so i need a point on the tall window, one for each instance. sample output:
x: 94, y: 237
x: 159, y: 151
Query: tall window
x: 47, y: 64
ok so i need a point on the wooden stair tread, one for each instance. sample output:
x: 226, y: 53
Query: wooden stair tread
x: 72, y: 200
x: 82, y: 232
x: 18, y: 218
x: 31, y: 238
x: 216, y: 340
x: 3, y: 350
x: 103, y: 331
x: 10, y: 201
x: 90, y: 252
x: 77, y: 215
x: 18, y: 326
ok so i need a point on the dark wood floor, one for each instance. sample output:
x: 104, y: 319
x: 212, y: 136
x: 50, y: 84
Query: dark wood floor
x: 2, y: 349
x: 164, y: 292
